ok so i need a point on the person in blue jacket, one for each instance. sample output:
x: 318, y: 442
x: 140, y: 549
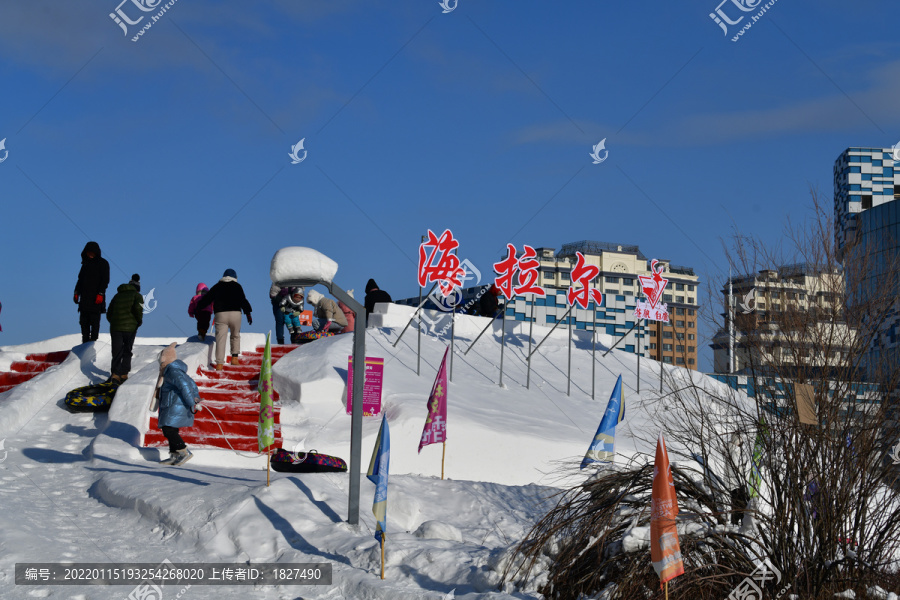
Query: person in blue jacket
x: 179, y: 399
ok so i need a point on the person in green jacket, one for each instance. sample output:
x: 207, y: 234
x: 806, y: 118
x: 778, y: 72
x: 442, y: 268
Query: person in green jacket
x: 125, y: 314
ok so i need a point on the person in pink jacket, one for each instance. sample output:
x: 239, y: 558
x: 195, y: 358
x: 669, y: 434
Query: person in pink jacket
x: 204, y: 314
x: 348, y: 314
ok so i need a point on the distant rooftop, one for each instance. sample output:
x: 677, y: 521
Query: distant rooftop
x: 594, y: 247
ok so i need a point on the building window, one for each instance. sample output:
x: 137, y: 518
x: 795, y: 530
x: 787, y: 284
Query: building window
x: 679, y: 311
x: 679, y: 349
x: 667, y: 359
x: 667, y: 335
x: 667, y: 297
x: 866, y: 201
x: 679, y: 360
x: 679, y: 323
x: 691, y: 336
x: 652, y: 333
x: 679, y: 299
x: 690, y: 323
x: 564, y: 276
x: 775, y: 294
x: 653, y: 346
x: 667, y: 347
x: 692, y: 349
x: 679, y: 336
x: 691, y: 310
x: 611, y: 291
x: 690, y: 301
x: 690, y: 361
x: 679, y: 287
x: 690, y: 288
x: 611, y: 279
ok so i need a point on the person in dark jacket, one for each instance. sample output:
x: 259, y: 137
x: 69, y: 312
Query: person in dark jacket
x: 179, y: 399
x: 90, y: 291
x: 374, y: 296
x: 489, y: 303
x: 125, y: 315
x: 229, y: 300
x: 277, y: 294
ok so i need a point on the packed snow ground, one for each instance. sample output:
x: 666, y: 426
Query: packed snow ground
x: 79, y: 488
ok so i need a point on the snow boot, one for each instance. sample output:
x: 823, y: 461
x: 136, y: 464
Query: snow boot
x: 168, y: 461
x: 220, y: 367
x: 234, y: 360
x: 181, y: 457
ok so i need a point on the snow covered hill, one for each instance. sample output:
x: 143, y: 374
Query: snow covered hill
x: 80, y: 487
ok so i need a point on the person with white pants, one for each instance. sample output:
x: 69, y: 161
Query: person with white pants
x: 228, y: 299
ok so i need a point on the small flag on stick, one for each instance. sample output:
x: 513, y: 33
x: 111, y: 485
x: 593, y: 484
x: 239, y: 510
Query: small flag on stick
x: 266, y: 430
x: 435, y: 430
x: 378, y: 474
x: 603, y: 447
x: 665, y: 552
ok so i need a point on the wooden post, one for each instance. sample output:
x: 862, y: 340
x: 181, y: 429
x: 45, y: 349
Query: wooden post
x: 443, y: 454
x: 667, y: 589
x: 382, y: 555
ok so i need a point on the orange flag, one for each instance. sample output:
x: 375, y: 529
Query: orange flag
x: 665, y: 553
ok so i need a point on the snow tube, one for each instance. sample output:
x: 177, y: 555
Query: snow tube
x: 309, y: 336
x: 92, y: 398
x: 307, y: 462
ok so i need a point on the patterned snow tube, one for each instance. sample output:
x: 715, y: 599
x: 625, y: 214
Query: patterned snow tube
x: 91, y: 398
x: 307, y: 462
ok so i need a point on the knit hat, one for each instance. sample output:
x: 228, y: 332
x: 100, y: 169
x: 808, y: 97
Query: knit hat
x: 230, y: 273
x: 136, y: 281
x: 313, y: 297
x: 167, y: 356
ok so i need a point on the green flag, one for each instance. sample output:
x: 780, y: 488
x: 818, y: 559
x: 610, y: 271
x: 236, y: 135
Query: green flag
x: 266, y: 409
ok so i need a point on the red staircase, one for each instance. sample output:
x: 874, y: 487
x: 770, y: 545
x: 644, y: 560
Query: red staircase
x: 33, y: 365
x: 231, y: 396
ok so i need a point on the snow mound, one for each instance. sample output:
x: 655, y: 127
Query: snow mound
x: 435, y: 530
x: 297, y: 263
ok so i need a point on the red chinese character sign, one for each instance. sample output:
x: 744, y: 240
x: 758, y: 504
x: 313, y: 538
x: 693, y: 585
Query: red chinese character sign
x: 525, y: 266
x: 583, y: 274
x: 653, y: 287
x: 440, y: 266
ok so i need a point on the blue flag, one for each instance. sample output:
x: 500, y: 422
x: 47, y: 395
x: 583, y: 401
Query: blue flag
x: 378, y: 474
x: 602, y: 448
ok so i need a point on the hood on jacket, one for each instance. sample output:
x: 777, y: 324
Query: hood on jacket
x: 128, y: 287
x: 201, y: 287
x: 228, y: 279
x: 313, y: 297
x: 177, y: 364
x: 90, y: 247
x: 371, y: 285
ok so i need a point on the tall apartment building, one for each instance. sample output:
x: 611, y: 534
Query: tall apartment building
x: 673, y: 343
x: 762, y: 335
x: 867, y: 221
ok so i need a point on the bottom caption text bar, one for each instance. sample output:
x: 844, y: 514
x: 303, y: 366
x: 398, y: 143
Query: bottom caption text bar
x: 170, y: 573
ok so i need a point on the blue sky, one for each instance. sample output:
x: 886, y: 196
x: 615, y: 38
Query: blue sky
x: 172, y: 151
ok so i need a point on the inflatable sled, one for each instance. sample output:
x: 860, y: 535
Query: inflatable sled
x: 92, y: 398
x: 306, y: 462
x: 309, y: 336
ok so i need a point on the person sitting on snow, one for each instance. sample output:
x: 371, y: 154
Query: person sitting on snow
x: 292, y: 306
x: 327, y: 315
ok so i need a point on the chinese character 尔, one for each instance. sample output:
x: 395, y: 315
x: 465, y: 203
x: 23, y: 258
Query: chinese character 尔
x: 446, y: 271
x: 583, y: 274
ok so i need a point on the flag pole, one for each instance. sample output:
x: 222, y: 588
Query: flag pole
x: 667, y: 589
x: 268, y: 457
x: 382, y: 554
x: 443, y: 454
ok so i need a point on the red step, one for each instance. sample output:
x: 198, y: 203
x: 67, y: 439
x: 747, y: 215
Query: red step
x: 8, y: 378
x: 34, y: 364
x: 155, y: 439
x: 51, y: 357
x: 28, y: 366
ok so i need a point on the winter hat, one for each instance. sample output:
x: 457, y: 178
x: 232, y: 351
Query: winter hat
x: 371, y: 285
x: 167, y: 356
x: 313, y: 297
x: 136, y: 281
x: 230, y: 273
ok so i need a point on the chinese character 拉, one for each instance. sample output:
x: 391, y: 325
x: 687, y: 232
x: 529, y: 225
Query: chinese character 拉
x: 525, y: 266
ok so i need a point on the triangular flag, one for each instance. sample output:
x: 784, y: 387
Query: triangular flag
x: 266, y: 433
x: 378, y: 474
x: 435, y: 430
x: 602, y: 449
x: 665, y: 552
